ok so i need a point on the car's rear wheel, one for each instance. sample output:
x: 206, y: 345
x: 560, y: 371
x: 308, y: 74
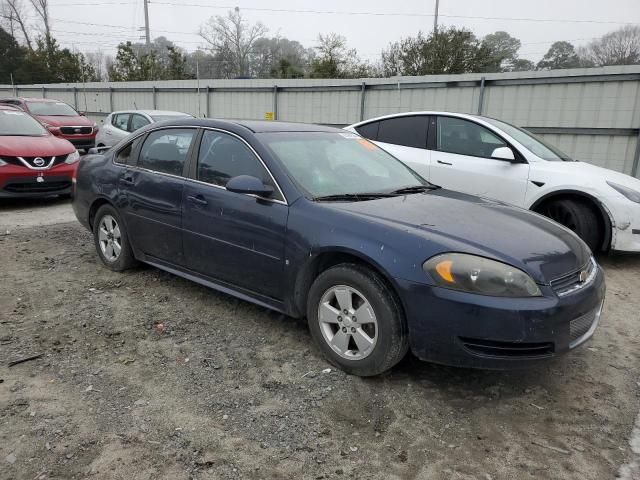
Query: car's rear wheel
x: 579, y: 217
x: 111, y: 240
x: 356, y: 320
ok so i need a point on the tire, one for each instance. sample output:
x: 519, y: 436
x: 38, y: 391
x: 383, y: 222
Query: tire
x: 106, y: 235
x: 579, y: 217
x: 385, y: 328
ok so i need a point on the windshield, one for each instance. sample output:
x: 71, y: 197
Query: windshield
x: 160, y: 118
x: 328, y: 163
x: 19, y: 124
x: 51, y: 108
x: 536, y: 145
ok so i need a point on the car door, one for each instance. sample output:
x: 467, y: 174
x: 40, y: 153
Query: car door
x: 116, y: 130
x: 137, y: 121
x: 231, y: 237
x: 154, y: 189
x: 462, y: 160
x: 404, y: 137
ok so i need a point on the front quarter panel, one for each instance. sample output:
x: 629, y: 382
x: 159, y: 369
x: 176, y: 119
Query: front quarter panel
x: 96, y: 179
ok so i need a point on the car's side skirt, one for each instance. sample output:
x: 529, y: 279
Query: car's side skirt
x: 223, y: 287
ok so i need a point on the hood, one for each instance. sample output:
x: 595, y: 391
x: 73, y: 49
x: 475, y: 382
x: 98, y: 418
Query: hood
x: 65, y: 120
x: 586, y: 174
x: 46, y: 146
x: 457, y: 222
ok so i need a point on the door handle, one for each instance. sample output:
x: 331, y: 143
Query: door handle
x: 444, y: 163
x: 127, y: 179
x: 197, y: 199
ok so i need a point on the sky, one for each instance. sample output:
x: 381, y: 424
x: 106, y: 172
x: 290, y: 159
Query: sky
x: 368, y: 25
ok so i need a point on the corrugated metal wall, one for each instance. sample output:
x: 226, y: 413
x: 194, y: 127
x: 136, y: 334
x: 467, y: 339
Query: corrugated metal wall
x: 592, y: 114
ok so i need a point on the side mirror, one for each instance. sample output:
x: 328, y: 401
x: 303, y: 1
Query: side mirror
x: 249, y: 185
x: 97, y: 150
x: 503, y: 153
x: 82, y: 114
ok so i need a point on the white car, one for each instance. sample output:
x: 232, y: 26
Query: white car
x: 490, y: 158
x: 118, y: 125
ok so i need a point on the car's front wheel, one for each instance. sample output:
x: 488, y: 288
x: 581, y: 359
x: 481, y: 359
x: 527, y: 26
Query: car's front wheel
x: 578, y: 217
x: 356, y: 320
x: 111, y: 240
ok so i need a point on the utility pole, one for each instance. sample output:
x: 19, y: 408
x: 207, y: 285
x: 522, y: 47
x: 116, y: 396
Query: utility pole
x: 435, y: 18
x: 146, y: 22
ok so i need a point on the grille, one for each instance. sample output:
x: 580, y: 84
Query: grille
x: 31, y: 161
x: 34, y: 187
x: 76, y: 130
x: 574, y: 281
x: 581, y: 325
x: 507, y: 349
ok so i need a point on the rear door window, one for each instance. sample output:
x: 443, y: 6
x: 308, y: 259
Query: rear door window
x: 125, y: 154
x: 137, y: 122
x: 121, y: 121
x: 165, y: 151
x: 408, y: 131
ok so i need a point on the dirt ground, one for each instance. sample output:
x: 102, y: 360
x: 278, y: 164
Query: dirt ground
x: 144, y: 375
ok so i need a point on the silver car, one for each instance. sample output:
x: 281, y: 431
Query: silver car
x: 120, y: 124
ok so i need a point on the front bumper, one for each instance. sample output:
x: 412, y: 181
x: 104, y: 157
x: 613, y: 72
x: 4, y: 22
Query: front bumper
x: 81, y: 141
x: 21, y: 182
x: 625, y: 219
x: 467, y: 330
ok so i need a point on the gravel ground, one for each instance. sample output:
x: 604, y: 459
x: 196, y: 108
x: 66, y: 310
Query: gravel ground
x: 144, y: 375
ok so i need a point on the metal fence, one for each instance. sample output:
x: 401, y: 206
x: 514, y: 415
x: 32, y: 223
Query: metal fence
x: 592, y: 114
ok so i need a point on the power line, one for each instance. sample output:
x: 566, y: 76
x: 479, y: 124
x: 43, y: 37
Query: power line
x: 387, y: 14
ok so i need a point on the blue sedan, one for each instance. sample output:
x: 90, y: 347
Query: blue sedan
x: 320, y: 223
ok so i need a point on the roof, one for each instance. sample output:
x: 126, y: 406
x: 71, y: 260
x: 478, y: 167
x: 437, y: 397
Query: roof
x: 34, y: 99
x: 263, y: 126
x: 153, y: 112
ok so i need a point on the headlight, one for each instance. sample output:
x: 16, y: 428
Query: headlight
x: 473, y: 274
x: 72, y: 157
x: 3, y: 163
x: 632, y: 195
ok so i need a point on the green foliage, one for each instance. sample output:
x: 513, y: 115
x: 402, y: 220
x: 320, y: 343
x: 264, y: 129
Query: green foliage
x: 454, y: 50
x: 46, y: 63
x: 133, y: 63
x: 503, y: 48
x: 560, y: 55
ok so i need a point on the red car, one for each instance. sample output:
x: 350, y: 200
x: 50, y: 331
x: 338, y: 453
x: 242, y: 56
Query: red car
x: 33, y: 162
x: 60, y: 119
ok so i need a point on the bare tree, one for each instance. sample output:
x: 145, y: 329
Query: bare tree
x: 233, y: 38
x: 620, y: 47
x: 98, y: 60
x: 13, y: 11
x: 42, y: 9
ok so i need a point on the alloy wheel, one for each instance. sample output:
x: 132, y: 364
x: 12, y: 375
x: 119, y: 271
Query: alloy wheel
x: 348, y: 322
x: 110, y: 238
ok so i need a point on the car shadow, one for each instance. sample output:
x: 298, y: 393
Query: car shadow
x: 31, y: 203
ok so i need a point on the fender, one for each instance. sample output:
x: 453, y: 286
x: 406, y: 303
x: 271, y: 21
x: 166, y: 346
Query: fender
x: 307, y: 273
x: 609, y: 222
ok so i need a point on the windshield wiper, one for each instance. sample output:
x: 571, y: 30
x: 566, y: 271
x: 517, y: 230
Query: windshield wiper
x: 352, y: 197
x: 414, y: 189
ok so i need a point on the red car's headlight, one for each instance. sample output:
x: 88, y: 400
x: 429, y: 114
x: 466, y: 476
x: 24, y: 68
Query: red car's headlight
x: 72, y: 158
